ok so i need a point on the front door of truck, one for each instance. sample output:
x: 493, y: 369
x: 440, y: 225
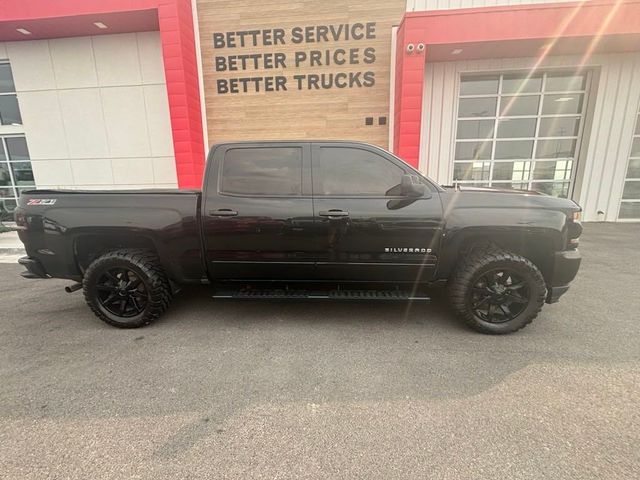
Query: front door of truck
x: 367, y: 230
x: 258, y: 212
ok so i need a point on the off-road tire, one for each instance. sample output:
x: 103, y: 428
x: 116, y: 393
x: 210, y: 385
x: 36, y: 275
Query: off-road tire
x: 146, y: 266
x: 484, y: 259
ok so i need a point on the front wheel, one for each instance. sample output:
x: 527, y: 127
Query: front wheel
x: 496, y: 292
x: 127, y: 288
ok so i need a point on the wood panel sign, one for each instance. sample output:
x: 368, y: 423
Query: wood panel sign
x: 297, y: 69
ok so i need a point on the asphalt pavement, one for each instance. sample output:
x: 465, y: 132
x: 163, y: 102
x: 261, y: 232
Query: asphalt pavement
x: 288, y: 389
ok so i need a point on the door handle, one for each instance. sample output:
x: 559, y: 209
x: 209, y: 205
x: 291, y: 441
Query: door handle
x: 334, y: 214
x: 223, y: 212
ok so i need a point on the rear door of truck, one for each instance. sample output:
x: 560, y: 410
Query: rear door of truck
x: 258, y: 212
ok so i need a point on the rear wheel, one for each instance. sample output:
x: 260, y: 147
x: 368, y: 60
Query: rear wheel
x: 497, y: 292
x: 127, y: 288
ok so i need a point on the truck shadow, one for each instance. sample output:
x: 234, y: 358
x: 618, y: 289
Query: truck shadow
x: 212, y: 359
x: 197, y: 304
x: 346, y: 348
x: 314, y: 352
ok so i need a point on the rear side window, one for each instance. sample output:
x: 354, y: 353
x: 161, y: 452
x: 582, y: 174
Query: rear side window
x: 348, y: 171
x: 272, y: 171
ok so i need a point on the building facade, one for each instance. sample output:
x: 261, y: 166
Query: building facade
x: 117, y: 94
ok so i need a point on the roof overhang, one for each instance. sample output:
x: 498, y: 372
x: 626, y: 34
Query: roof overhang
x: 588, y: 27
x: 71, y: 18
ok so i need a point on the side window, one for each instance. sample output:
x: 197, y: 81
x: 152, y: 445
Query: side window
x: 353, y: 172
x: 275, y: 171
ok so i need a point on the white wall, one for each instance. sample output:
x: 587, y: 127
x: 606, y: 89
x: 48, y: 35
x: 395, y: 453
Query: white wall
x: 95, y: 110
x: 419, y: 5
x: 615, y: 99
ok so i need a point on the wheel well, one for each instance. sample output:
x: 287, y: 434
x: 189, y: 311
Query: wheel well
x: 90, y: 247
x: 536, y: 248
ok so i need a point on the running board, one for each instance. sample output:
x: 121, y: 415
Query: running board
x: 251, y: 293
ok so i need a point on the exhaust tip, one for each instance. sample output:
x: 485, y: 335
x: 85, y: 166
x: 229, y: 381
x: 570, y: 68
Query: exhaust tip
x: 73, y: 288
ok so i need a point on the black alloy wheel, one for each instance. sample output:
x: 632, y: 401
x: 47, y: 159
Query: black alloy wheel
x: 127, y: 288
x: 499, y: 295
x: 122, y: 292
x: 496, y: 291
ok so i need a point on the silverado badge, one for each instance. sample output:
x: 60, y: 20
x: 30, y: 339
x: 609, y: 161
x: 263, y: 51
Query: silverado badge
x: 406, y: 250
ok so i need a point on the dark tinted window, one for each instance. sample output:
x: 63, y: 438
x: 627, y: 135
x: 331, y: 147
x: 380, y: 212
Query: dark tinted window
x: 17, y: 148
x: 262, y: 171
x: 6, y: 79
x: 353, y: 171
x: 9, y: 110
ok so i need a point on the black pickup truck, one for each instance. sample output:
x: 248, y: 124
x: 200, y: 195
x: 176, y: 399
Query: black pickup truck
x: 340, y: 220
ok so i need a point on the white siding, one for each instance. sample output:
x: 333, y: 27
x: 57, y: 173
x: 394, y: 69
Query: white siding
x: 614, y: 102
x: 420, y: 5
x: 95, y: 110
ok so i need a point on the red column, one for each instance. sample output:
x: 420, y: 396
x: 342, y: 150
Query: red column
x: 408, y: 93
x: 181, y: 72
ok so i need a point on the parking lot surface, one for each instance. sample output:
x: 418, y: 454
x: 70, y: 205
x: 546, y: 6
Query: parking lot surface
x: 287, y: 389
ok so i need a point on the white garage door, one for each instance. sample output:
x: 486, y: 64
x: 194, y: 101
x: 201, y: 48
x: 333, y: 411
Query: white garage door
x: 520, y: 131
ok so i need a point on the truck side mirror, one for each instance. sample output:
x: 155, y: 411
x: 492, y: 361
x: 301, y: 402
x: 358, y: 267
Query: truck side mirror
x: 410, y: 186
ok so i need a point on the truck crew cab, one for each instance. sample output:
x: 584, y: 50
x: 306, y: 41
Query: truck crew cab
x: 301, y: 219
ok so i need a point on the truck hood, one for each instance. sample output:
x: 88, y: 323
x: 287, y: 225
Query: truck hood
x: 495, y: 190
x: 502, y: 198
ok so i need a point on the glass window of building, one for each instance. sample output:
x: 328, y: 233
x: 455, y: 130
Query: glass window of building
x: 520, y: 130
x: 15, y: 165
x: 9, y: 110
x: 15, y: 172
x: 630, y: 203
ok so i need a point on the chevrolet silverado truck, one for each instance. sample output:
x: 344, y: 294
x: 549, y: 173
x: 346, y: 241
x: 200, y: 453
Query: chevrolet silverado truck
x: 305, y: 219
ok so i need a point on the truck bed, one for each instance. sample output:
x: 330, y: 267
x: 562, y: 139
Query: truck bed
x: 65, y: 223
x: 162, y: 191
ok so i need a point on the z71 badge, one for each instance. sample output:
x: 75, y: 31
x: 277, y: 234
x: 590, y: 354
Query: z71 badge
x: 41, y: 201
x: 406, y: 250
